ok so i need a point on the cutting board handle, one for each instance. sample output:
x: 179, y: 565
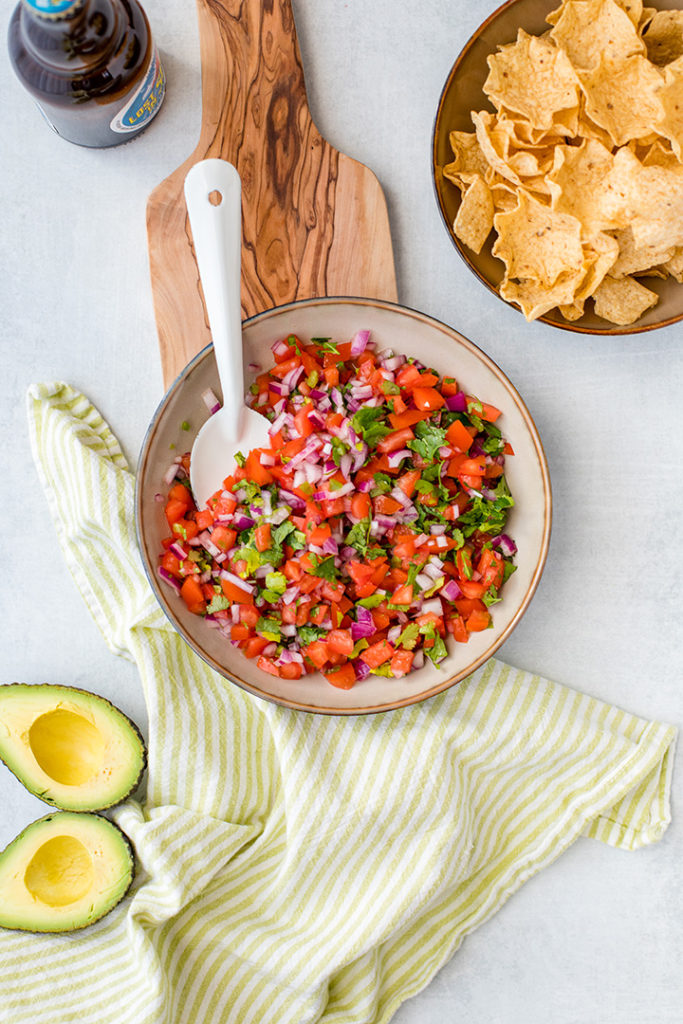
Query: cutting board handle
x: 314, y: 221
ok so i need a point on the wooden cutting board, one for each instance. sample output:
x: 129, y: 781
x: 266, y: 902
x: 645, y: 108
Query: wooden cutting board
x: 314, y: 221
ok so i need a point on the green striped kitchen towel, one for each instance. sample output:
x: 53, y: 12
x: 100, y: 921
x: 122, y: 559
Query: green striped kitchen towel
x: 296, y: 868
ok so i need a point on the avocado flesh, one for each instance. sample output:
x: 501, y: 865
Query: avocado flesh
x: 71, y: 748
x: 63, y: 872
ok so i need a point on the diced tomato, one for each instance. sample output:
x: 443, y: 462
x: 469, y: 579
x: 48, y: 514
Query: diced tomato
x: 268, y: 665
x: 393, y: 442
x: 175, y: 510
x: 290, y: 670
x: 193, y: 596
x: 204, y: 518
x: 459, y: 436
x: 262, y: 537
x: 401, y: 662
x: 224, y: 538
x: 428, y: 399
x: 361, y: 506
x: 408, y: 481
x: 235, y: 594
x: 401, y: 420
x: 377, y: 654
x: 491, y: 567
x: 385, y: 505
x: 317, y: 653
x: 478, y: 619
x: 343, y: 677
x: 256, y: 471
x: 402, y: 595
x: 240, y: 632
x: 340, y: 641
x: 302, y: 423
x: 319, y: 534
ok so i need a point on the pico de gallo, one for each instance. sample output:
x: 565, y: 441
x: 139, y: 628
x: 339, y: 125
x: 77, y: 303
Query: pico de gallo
x: 367, y: 537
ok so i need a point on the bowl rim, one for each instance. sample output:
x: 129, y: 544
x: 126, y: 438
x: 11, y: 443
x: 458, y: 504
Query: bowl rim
x: 442, y: 685
x: 574, y: 326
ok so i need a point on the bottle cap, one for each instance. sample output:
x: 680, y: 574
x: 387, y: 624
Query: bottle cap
x: 53, y: 9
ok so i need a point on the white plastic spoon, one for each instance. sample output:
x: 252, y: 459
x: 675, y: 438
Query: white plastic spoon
x: 213, y: 193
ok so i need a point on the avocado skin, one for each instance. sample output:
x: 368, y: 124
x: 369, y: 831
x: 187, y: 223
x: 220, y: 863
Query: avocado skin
x: 126, y: 844
x: 117, y: 710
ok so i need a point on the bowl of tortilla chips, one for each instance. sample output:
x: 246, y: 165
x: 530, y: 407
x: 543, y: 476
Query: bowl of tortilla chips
x: 558, y: 161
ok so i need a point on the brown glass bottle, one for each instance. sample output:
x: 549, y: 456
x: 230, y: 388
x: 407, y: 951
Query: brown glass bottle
x: 90, y: 65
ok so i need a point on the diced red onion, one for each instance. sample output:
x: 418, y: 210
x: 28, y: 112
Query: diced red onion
x: 359, y: 343
x: 433, y: 606
x: 278, y: 388
x: 262, y: 571
x: 242, y: 522
x: 395, y: 458
x: 457, y: 402
x: 237, y: 581
x: 431, y: 570
x: 168, y: 578
x: 279, y: 348
x: 170, y: 474
x: 437, y: 528
x: 451, y: 591
x: 210, y: 401
x: 270, y: 650
x: 287, y: 630
x: 419, y: 659
x: 178, y: 551
x: 290, y: 595
x: 505, y: 544
x: 424, y: 581
x: 361, y: 669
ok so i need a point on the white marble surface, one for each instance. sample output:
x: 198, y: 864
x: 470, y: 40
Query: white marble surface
x: 598, y: 937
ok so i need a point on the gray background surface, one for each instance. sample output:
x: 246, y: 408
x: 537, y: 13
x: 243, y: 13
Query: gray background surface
x: 598, y: 937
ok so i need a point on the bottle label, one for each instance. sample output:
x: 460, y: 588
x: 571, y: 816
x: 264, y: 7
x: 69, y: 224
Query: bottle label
x: 145, y: 103
x: 53, y: 8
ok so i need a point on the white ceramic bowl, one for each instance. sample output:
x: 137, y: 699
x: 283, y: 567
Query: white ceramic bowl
x: 434, y: 344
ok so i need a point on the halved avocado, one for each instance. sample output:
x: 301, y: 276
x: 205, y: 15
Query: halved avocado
x: 64, y: 872
x: 71, y: 748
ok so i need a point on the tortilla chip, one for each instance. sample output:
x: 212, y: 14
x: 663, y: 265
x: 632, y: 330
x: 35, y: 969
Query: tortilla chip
x: 622, y: 302
x: 534, y: 299
x: 622, y: 97
x: 652, y: 198
x: 671, y: 96
x: 674, y: 265
x: 532, y: 77
x: 592, y: 29
x: 663, y: 37
x: 468, y: 159
x: 635, y: 259
x: 600, y: 254
x: 504, y: 196
x: 536, y: 243
x: 474, y: 219
x: 576, y: 186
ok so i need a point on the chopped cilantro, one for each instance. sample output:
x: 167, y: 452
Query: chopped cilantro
x: 428, y: 440
x: 408, y: 638
x: 438, y: 650
x: 339, y: 448
x: 373, y: 601
x: 218, y: 604
x: 241, y: 462
x: 358, y: 536
x: 325, y: 568
x: 308, y: 634
x: 359, y: 646
x: 367, y: 423
x: 184, y: 425
x: 268, y: 628
x: 383, y: 484
x: 389, y: 388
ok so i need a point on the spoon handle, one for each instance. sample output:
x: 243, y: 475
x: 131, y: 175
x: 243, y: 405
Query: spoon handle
x: 213, y: 193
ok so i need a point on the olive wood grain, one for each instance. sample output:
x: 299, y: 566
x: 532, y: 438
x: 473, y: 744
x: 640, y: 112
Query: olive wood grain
x: 314, y: 221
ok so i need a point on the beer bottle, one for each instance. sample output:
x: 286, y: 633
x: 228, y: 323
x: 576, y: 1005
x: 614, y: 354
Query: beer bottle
x: 90, y: 65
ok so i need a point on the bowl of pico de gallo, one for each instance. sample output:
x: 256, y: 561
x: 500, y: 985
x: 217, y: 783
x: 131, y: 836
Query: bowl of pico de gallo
x: 389, y: 538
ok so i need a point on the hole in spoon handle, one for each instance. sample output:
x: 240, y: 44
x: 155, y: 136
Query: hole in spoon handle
x: 215, y: 197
